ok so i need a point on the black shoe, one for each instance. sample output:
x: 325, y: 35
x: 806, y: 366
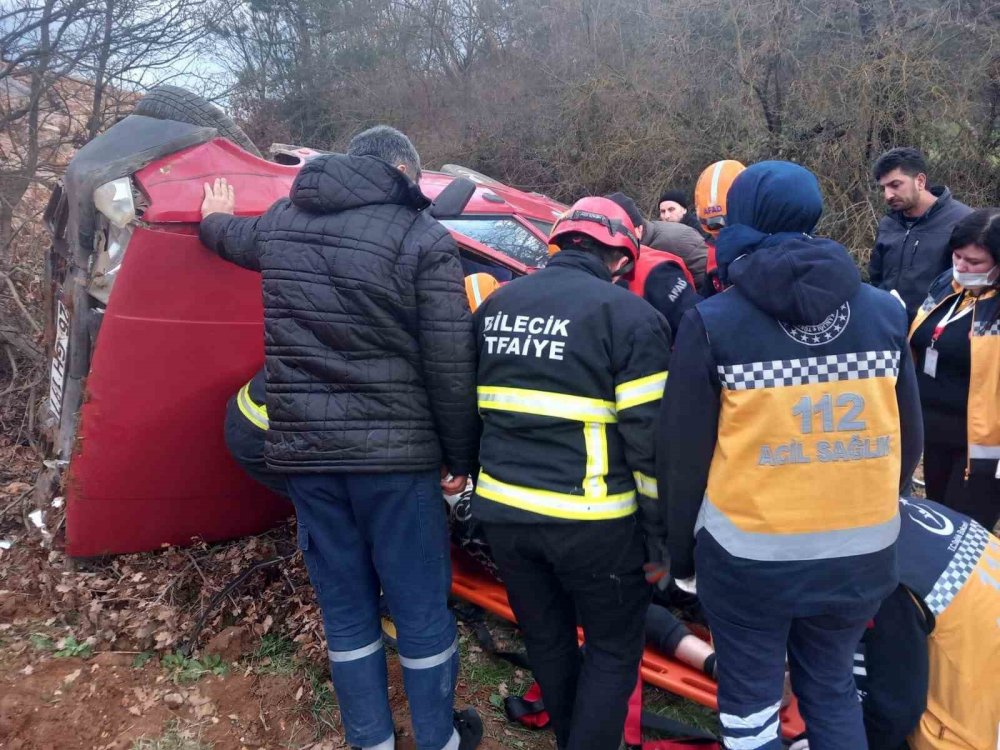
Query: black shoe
x: 470, y: 729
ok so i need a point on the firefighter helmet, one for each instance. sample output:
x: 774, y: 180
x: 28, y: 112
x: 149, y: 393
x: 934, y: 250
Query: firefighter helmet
x: 710, y: 194
x: 479, y: 286
x: 599, y: 219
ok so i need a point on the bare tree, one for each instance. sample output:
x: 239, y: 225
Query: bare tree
x: 67, y: 69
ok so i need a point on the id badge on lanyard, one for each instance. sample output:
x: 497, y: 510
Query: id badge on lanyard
x: 931, y: 353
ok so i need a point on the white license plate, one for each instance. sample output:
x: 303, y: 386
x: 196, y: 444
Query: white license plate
x: 59, y: 358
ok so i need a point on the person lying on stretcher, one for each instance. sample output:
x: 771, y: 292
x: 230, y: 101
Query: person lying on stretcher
x: 664, y: 631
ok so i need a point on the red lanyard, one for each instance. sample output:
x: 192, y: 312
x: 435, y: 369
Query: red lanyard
x: 950, y: 318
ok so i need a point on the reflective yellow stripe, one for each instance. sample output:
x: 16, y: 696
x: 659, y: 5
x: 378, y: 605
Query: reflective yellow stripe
x: 645, y: 484
x: 595, y: 437
x: 546, y: 404
x: 641, y: 391
x: 556, y: 504
x: 256, y: 414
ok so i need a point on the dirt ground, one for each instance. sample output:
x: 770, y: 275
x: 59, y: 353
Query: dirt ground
x: 238, y: 691
x: 106, y: 702
x: 92, y: 657
x: 164, y: 651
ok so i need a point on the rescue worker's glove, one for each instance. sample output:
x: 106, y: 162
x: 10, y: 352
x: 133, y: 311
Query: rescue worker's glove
x: 657, y: 565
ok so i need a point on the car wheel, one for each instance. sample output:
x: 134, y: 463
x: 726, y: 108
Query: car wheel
x: 175, y: 103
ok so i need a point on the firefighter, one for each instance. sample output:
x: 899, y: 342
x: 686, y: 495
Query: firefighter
x: 710, y: 203
x: 571, y: 372
x: 246, y: 426
x: 479, y: 286
x: 659, y: 277
x: 791, y: 419
x: 925, y: 666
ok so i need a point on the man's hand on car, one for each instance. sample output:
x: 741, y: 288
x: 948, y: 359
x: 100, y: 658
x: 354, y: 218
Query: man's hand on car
x: 220, y: 198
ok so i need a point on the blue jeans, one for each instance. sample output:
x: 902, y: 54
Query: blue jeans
x: 751, y: 667
x: 362, y: 532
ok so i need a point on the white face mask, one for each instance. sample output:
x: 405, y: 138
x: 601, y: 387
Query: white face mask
x: 976, y: 280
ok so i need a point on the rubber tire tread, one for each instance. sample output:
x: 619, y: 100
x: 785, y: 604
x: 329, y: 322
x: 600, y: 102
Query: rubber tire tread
x: 167, y: 102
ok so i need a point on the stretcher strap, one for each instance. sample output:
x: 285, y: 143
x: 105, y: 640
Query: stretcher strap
x: 473, y: 616
x: 684, y: 735
x: 528, y: 710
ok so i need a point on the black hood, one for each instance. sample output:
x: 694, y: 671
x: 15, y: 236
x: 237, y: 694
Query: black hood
x: 798, y: 280
x: 581, y: 259
x: 338, y: 182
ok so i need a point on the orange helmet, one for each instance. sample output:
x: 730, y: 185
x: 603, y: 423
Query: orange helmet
x: 479, y: 286
x: 710, y: 194
x: 600, y: 219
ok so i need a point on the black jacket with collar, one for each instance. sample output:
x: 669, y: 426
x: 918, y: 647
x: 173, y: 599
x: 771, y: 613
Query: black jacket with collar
x: 909, y: 259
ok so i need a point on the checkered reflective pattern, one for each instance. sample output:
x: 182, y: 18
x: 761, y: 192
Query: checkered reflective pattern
x: 987, y: 329
x: 959, y: 569
x: 785, y: 372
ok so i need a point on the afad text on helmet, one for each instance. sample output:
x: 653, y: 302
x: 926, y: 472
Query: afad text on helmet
x: 539, y: 336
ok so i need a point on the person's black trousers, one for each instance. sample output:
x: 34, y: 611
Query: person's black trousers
x: 556, y: 573
x: 944, y: 476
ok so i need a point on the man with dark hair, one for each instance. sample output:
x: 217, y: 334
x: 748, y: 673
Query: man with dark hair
x: 370, y: 400
x: 389, y: 145
x: 571, y: 371
x: 911, y: 245
x: 659, y: 275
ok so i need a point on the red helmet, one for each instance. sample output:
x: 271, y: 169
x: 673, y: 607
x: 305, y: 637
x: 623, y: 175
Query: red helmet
x: 601, y: 220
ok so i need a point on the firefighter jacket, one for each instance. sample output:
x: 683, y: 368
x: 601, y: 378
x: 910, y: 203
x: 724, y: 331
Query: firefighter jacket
x: 984, y: 380
x: 251, y: 400
x: 791, y: 416
x: 664, y: 281
x: 712, y: 284
x: 571, y: 373
x: 935, y: 682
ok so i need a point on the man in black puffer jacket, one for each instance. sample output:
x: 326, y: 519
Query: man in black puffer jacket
x: 370, y: 393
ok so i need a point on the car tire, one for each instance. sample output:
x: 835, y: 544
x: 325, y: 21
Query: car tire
x: 175, y: 103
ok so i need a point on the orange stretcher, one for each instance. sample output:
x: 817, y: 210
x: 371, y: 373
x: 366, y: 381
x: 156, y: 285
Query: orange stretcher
x: 469, y: 582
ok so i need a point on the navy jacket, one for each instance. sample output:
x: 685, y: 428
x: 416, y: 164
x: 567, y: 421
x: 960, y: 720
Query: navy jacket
x: 908, y: 260
x: 800, y: 282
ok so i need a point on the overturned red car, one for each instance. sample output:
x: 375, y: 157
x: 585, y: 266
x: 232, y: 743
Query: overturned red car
x: 151, y: 332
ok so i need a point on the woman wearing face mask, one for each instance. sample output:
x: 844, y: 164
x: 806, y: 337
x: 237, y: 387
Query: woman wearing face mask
x: 956, y: 346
